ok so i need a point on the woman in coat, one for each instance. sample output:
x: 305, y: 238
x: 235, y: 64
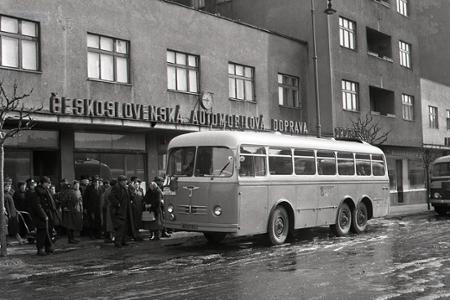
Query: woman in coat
x: 13, y: 216
x: 152, y: 203
x: 72, y: 212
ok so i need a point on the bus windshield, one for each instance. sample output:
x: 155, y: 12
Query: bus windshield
x: 211, y: 161
x: 441, y: 169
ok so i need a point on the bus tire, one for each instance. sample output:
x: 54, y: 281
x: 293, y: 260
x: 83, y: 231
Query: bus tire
x: 278, y: 226
x: 343, y: 220
x: 214, y: 237
x: 360, y: 218
x: 442, y: 211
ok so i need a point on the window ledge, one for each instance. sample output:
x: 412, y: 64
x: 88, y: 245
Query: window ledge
x: 352, y: 111
x: 385, y: 58
x: 20, y: 70
x: 242, y: 101
x: 110, y: 82
x: 406, y: 120
x: 184, y: 92
x: 289, y: 107
x: 385, y: 4
x: 350, y: 49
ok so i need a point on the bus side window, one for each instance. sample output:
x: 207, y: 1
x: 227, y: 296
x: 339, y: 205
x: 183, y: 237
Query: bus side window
x: 363, y: 164
x: 378, y: 167
x: 280, y: 161
x: 252, y: 161
x: 326, y: 163
x: 304, y: 162
x: 346, y: 164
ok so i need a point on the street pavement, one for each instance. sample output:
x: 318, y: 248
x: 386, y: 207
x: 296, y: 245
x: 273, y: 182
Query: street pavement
x: 403, y: 256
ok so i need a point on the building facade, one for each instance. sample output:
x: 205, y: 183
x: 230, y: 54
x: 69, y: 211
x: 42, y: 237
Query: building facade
x: 118, y: 79
x: 368, y: 68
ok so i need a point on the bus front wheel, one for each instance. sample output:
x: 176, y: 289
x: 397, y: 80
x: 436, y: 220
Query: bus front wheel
x: 343, y: 220
x: 278, y: 226
x: 359, y: 218
x: 214, y: 237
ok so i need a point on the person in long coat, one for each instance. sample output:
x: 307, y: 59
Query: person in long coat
x: 106, y: 208
x: 13, y: 216
x: 119, y: 199
x: 92, y: 204
x: 72, y: 215
x: 43, y: 212
x: 152, y: 203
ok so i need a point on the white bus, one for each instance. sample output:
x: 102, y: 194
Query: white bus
x: 246, y: 183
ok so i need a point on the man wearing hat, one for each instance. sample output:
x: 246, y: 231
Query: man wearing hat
x: 92, y: 204
x: 43, y: 210
x: 119, y: 200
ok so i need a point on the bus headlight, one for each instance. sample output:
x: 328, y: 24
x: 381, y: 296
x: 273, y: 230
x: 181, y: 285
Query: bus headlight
x: 437, y: 195
x: 217, y: 210
x: 170, y: 208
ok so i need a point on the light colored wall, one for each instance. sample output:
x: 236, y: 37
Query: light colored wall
x: 438, y: 95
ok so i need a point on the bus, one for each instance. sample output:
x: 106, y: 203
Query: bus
x: 247, y: 183
x: 440, y: 185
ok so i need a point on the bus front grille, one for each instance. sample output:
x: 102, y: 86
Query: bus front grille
x: 192, y: 210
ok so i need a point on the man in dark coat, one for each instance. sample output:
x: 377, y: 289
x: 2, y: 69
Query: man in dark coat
x: 92, y: 204
x: 43, y: 210
x: 119, y: 200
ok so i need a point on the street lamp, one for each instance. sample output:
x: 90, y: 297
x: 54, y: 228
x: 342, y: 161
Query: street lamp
x: 328, y: 11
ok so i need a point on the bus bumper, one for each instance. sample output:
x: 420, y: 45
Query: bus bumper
x: 440, y: 202
x: 229, y: 228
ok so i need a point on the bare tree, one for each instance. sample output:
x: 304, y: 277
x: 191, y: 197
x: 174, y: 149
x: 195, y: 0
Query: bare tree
x: 370, y: 131
x: 14, y: 117
x: 428, y: 155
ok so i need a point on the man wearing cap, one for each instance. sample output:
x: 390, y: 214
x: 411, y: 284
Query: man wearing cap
x: 92, y: 204
x: 119, y: 200
x: 44, y: 213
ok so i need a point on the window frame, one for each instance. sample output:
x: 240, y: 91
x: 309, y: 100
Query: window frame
x: 290, y: 88
x: 235, y: 77
x: 114, y: 54
x: 448, y: 119
x: 404, y: 49
x: 185, y: 67
x: 403, y: 7
x: 20, y: 37
x: 433, y: 114
x: 346, y: 31
x: 407, y: 107
x: 354, y: 94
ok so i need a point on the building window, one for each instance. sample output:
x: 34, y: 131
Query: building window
x: 448, y: 119
x: 350, y: 97
x: 288, y: 90
x: 379, y: 44
x: 108, y: 58
x: 182, y: 72
x: 241, y: 82
x: 19, y: 41
x: 407, y: 107
x: 433, y: 116
x: 382, y: 102
x: 405, y: 54
x: 385, y: 2
x: 402, y: 7
x: 347, y: 33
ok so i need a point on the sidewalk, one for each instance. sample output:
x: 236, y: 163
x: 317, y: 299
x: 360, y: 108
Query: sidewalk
x: 408, y: 209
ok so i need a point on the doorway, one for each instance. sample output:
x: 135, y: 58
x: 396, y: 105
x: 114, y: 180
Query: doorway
x: 399, y: 177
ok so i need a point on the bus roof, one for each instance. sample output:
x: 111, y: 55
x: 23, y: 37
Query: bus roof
x: 442, y: 159
x: 233, y: 138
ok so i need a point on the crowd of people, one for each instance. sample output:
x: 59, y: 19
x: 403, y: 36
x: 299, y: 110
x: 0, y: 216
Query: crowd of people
x: 115, y: 210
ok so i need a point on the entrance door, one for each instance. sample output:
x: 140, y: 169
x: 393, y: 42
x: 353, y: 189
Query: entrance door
x: 46, y: 163
x: 399, y: 177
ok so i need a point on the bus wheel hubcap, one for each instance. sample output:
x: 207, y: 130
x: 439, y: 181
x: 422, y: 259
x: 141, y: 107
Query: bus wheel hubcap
x: 361, y: 219
x: 345, y: 218
x: 279, y: 226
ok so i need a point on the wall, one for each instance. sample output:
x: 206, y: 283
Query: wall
x: 152, y: 27
x: 438, y: 95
